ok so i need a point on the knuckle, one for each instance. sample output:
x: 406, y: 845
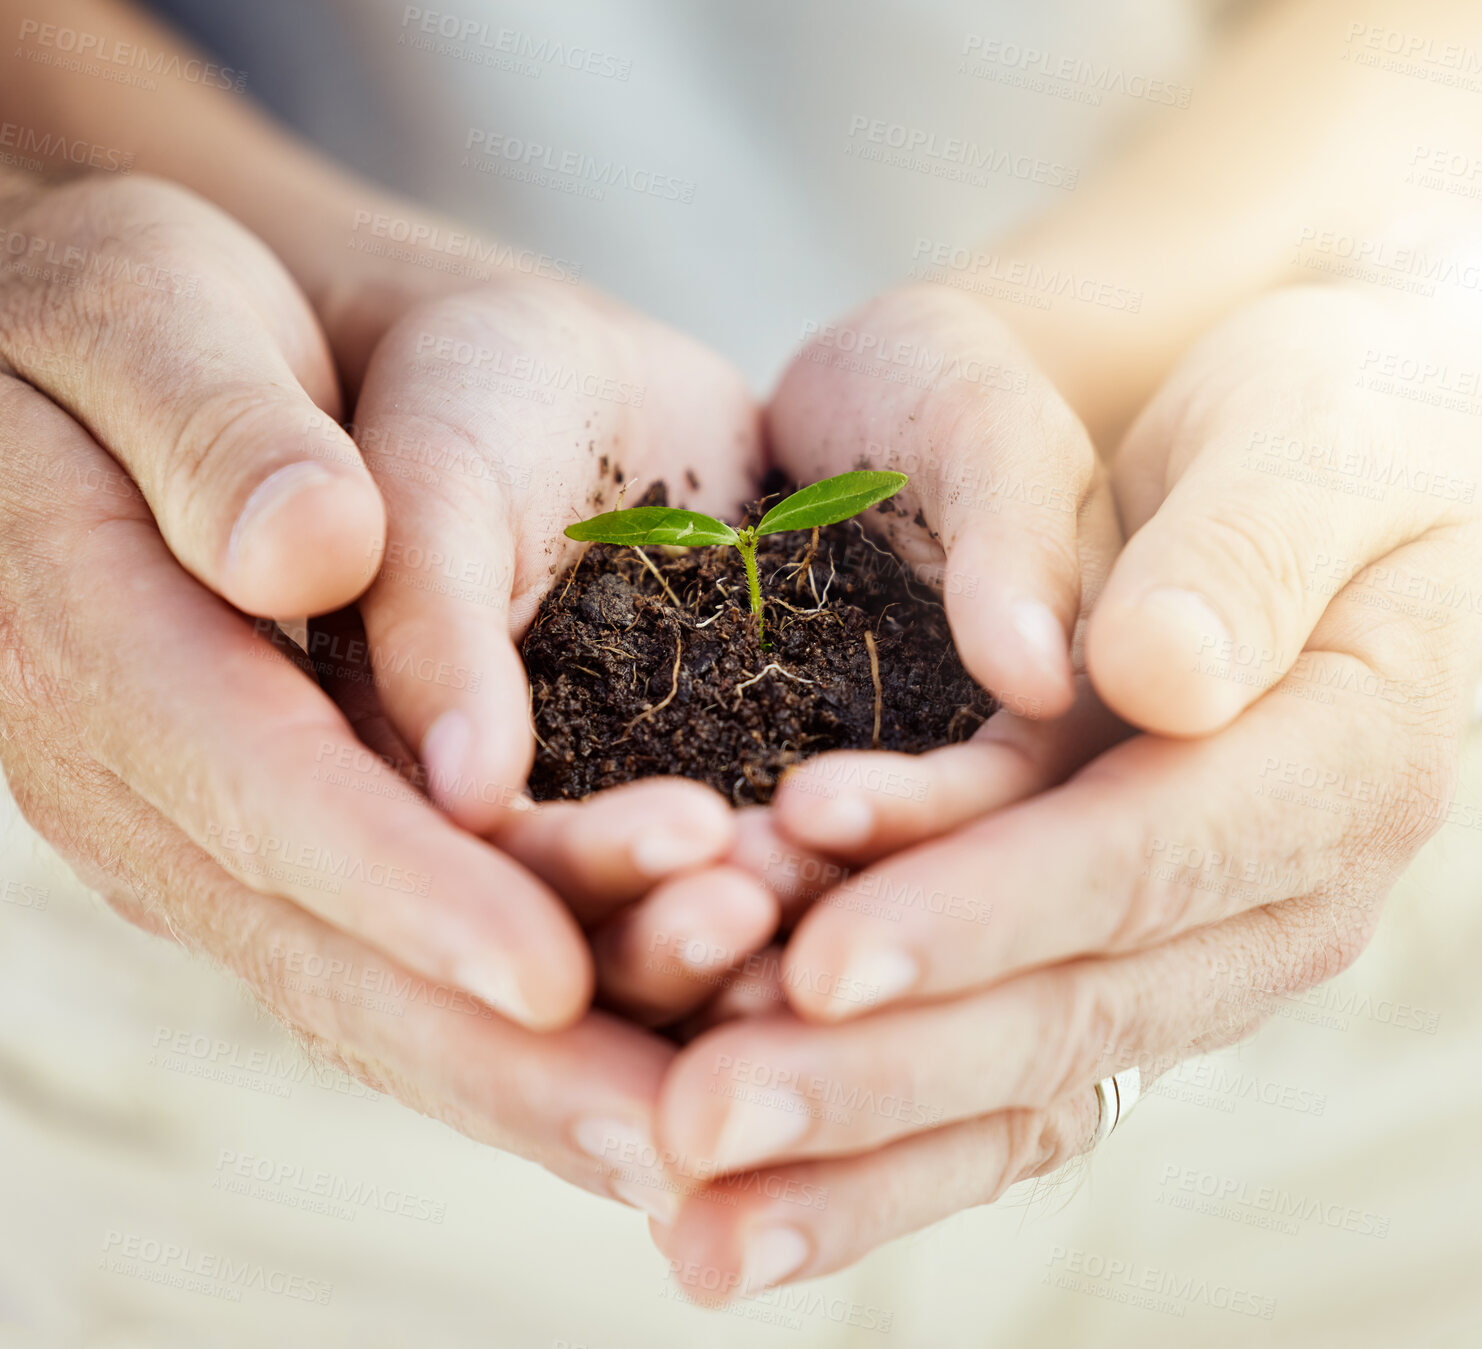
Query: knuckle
x: 1254, y: 551
x: 1424, y: 772
x: 1040, y: 1141
x: 1142, y: 902
x: 1091, y: 1028
x: 208, y: 452
x: 96, y: 263
x: 1340, y: 943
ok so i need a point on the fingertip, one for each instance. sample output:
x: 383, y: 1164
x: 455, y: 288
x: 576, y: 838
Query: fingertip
x: 818, y: 813
x: 812, y: 989
x: 477, y: 758
x: 308, y: 540
x: 684, y: 934
x: 1011, y: 612
x: 1017, y: 650
x: 688, y: 825
x: 542, y: 992
x: 1161, y: 662
x: 709, y: 927
x: 1043, y: 649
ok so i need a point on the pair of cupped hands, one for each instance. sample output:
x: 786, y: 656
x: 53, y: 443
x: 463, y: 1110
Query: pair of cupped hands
x: 889, y: 994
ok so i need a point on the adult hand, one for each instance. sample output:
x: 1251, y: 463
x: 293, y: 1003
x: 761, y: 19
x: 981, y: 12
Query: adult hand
x: 1298, y: 584
x: 136, y: 320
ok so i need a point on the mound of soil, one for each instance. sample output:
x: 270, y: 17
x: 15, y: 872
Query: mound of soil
x: 632, y: 677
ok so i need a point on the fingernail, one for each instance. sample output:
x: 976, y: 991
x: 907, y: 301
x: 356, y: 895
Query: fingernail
x: 498, y: 988
x: 840, y: 821
x: 772, y: 1254
x: 1188, y: 617
x: 662, y: 850
x: 624, y: 1144
x: 876, y: 974
x: 445, y: 754
x: 270, y: 494
x: 1042, y: 634
x: 607, y: 1138
x: 756, y: 1131
x: 661, y: 1204
x: 696, y: 948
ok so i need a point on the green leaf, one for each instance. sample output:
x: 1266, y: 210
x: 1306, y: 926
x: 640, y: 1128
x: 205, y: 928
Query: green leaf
x: 652, y: 524
x: 832, y: 500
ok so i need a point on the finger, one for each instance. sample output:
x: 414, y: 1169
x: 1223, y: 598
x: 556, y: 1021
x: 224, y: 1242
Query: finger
x: 579, y: 1101
x: 752, y: 990
x: 1101, y: 863
x: 671, y: 952
x: 754, y: 1093
x: 482, y: 473
x: 797, y: 875
x: 1211, y: 602
x: 749, y: 1233
x: 208, y: 389
x: 449, y: 456
x: 598, y: 854
x: 1006, y: 503
x: 339, y: 656
x: 863, y: 805
x: 610, y: 849
x: 229, y: 740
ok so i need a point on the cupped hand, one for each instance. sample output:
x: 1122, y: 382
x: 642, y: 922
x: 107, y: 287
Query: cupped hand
x: 137, y: 322
x: 492, y: 418
x: 1304, y: 540
x: 182, y: 758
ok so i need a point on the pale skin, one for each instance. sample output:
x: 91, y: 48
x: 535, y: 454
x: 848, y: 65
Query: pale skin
x: 1084, y: 830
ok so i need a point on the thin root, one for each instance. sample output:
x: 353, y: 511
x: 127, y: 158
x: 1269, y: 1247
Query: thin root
x: 659, y: 577
x: 875, y: 675
x: 768, y: 669
x: 673, y: 689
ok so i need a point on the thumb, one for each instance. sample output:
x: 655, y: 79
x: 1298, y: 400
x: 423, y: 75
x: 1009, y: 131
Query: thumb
x: 212, y: 386
x: 1214, y: 597
x: 1006, y: 505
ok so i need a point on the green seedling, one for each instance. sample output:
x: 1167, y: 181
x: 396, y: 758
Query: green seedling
x: 824, y: 503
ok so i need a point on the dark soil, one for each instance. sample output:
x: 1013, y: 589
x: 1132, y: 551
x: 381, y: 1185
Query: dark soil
x: 626, y: 684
